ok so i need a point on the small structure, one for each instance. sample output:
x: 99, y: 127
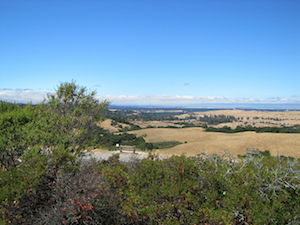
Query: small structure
x: 127, y: 148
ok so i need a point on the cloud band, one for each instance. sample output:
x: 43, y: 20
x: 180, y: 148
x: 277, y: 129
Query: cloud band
x: 25, y: 96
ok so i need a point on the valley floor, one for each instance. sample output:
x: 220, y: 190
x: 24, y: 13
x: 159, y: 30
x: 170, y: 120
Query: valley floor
x: 198, y: 141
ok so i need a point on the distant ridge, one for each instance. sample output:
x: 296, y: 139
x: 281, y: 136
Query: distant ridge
x: 217, y: 106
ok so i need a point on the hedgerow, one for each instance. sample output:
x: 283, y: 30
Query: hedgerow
x: 226, y: 129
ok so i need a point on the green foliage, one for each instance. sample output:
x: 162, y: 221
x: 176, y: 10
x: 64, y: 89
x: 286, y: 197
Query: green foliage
x: 265, y: 153
x: 149, y: 146
x: 132, y: 127
x: 217, y: 119
x: 76, y: 111
x: 22, y: 188
x: 39, y: 142
x: 84, y: 196
x: 15, y: 134
x: 166, y: 144
x: 64, y: 120
x: 5, y: 107
x: 204, y: 125
x: 179, y: 190
x: 185, y: 125
x: 98, y: 137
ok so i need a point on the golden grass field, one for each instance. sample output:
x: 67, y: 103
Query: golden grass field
x: 106, y: 124
x: 211, y: 142
x: 236, y: 143
x: 285, y: 118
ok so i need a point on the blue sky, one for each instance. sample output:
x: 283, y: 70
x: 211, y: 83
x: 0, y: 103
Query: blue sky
x: 152, y: 52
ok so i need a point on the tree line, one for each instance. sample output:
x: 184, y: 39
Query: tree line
x: 226, y: 129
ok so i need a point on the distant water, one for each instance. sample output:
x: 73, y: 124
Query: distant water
x: 243, y: 106
x: 288, y: 106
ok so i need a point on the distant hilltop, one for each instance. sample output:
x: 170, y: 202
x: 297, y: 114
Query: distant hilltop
x: 217, y: 106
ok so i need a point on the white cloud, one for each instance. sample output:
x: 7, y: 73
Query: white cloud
x: 22, y: 96
x: 185, y: 100
x: 25, y: 96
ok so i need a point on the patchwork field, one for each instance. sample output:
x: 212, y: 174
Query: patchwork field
x: 257, y: 118
x: 243, y: 117
x: 195, y: 140
x: 237, y: 143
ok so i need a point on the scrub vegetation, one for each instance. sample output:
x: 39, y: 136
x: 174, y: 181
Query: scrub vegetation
x: 179, y: 190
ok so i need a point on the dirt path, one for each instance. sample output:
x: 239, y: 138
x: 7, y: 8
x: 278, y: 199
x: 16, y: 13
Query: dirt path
x: 100, y: 154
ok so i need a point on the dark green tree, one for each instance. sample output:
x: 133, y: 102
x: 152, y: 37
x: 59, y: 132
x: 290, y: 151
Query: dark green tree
x: 63, y: 119
x: 39, y: 142
x: 77, y: 110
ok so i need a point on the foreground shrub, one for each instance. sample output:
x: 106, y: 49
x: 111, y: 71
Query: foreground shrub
x: 212, y: 189
x: 82, y: 197
x: 216, y: 189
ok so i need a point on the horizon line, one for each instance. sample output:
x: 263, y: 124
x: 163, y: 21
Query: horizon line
x: 34, y: 97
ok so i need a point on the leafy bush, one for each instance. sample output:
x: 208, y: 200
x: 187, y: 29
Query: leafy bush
x: 82, y: 197
x: 179, y: 190
x: 25, y: 189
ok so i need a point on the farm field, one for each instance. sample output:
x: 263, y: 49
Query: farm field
x: 213, y: 142
x: 257, y: 118
x: 243, y: 118
x: 195, y: 139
